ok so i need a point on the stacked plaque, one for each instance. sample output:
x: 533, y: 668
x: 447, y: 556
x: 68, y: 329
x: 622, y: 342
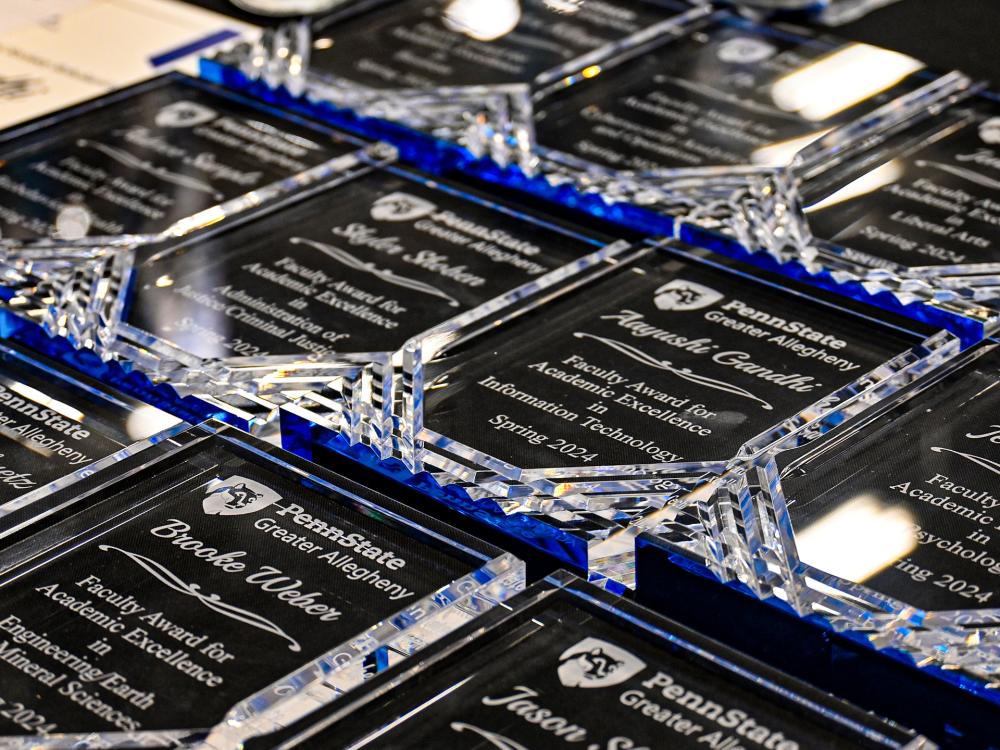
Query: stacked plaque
x: 568, y: 663
x: 182, y: 155
x: 319, y: 284
x: 699, y: 114
x: 604, y: 398
x: 801, y: 409
x: 214, y: 587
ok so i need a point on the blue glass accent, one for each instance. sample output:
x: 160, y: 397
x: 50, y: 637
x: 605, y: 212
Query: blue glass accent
x: 301, y: 436
x: 114, y: 374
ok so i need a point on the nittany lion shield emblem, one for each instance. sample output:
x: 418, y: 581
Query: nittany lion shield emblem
x: 184, y: 115
x: 237, y: 496
x: 685, y: 295
x: 401, y: 207
x: 593, y: 663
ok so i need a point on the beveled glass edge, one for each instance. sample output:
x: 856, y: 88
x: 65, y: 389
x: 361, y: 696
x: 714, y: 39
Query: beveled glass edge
x: 565, y: 586
x: 755, y: 536
x: 16, y: 251
x: 325, y: 678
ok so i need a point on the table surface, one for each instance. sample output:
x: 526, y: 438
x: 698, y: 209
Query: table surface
x: 945, y: 34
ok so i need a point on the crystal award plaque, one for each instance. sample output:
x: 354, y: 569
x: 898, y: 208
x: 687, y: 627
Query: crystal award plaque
x: 695, y: 116
x: 56, y: 427
x: 602, y: 400
x: 316, y: 294
x: 157, y: 159
x: 569, y: 663
x: 883, y: 526
x: 218, y: 584
x: 924, y: 205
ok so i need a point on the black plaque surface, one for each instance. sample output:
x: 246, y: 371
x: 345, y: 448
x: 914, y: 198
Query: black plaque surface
x: 198, y: 581
x: 140, y: 160
x: 361, y: 267
x: 668, y: 361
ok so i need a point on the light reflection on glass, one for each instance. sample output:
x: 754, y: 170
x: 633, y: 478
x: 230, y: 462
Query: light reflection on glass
x: 72, y: 223
x: 199, y: 329
x: 780, y: 154
x: 33, y: 394
x: 869, y: 182
x: 148, y: 420
x: 565, y: 7
x: 858, y: 539
x: 841, y: 80
x: 483, y: 20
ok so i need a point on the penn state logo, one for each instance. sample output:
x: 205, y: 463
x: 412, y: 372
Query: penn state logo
x: 401, y: 207
x: 184, y: 115
x: 237, y: 496
x: 595, y: 663
x: 683, y: 295
x: 989, y: 131
x: 743, y: 50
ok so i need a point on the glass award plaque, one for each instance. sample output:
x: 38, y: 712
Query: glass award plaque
x: 696, y: 115
x: 595, y: 403
x: 316, y: 294
x: 567, y: 663
x: 883, y: 526
x: 158, y: 159
x: 220, y: 584
x: 56, y: 427
x: 924, y: 205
